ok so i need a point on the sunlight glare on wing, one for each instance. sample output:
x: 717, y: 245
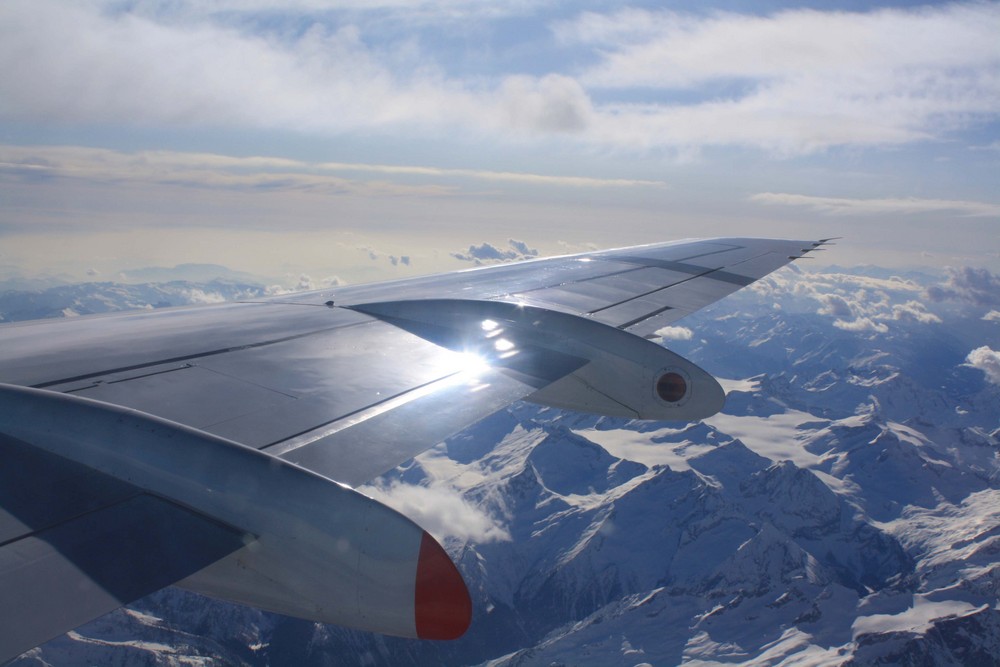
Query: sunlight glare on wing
x: 472, y: 365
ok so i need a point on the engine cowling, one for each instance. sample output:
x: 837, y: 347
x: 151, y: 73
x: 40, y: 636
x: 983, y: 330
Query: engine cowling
x: 314, y: 548
x: 576, y: 363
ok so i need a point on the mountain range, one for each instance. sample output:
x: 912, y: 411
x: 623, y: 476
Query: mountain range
x: 843, y: 509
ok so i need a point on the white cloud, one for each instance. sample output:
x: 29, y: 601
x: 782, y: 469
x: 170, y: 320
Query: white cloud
x: 911, y: 205
x: 187, y: 68
x: 862, y: 324
x: 302, y: 283
x: 992, y: 316
x: 674, y: 333
x: 672, y: 49
x: 196, y: 295
x: 914, y: 311
x: 552, y: 103
x: 801, y: 80
x: 987, y: 360
x: 977, y: 286
x: 857, y: 303
x: 835, y: 305
x: 794, y: 82
x: 261, y: 173
x: 412, y: 9
x: 486, y: 252
x: 481, y: 174
x: 441, y: 511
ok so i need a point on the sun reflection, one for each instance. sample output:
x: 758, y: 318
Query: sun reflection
x: 472, y: 365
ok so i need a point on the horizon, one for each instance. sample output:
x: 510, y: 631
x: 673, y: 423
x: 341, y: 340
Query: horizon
x: 336, y: 138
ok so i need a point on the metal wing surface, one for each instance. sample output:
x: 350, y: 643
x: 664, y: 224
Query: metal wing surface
x: 347, y: 383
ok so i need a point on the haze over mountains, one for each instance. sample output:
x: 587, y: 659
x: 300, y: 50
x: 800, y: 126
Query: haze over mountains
x: 843, y: 509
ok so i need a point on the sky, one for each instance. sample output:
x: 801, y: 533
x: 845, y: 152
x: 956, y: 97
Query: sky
x: 313, y: 141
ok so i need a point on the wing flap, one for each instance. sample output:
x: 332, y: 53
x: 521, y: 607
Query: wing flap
x: 399, y: 429
x: 39, y: 490
x: 61, y: 577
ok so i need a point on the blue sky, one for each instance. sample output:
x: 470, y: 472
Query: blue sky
x: 324, y: 137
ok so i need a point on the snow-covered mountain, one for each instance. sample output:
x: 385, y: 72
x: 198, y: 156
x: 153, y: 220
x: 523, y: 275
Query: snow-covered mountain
x: 843, y: 509
x: 105, y: 297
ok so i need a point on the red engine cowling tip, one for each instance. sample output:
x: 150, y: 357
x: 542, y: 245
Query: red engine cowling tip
x: 442, y: 606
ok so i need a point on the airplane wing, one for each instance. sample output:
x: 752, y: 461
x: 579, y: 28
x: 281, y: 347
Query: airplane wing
x: 216, y: 446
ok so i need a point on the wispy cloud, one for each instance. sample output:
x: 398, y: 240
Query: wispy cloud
x: 800, y: 80
x: 909, y: 205
x: 793, y: 82
x: 158, y: 65
x: 479, y: 174
x: 440, y: 510
x: 208, y: 170
x: 995, y: 147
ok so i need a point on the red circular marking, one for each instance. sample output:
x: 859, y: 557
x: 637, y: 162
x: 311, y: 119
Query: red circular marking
x: 671, y: 387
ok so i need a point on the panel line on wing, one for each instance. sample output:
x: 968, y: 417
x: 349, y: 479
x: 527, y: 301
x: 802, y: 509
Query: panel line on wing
x: 391, y: 436
x: 693, y: 269
x: 246, y: 381
x: 93, y: 385
x: 644, y: 294
x: 637, y: 320
x: 188, y: 357
x: 311, y: 435
x: 599, y: 276
x: 641, y: 263
x: 615, y: 274
x: 725, y: 248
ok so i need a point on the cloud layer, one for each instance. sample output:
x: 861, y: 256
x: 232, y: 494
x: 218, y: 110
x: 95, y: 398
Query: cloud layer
x: 792, y: 82
x: 910, y: 205
x: 801, y: 80
x: 858, y: 303
x: 209, y: 170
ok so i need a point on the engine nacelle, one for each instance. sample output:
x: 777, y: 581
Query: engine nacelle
x: 314, y: 548
x: 576, y: 363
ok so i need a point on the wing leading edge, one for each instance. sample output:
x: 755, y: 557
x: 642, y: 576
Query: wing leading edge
x: 343, y: 388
